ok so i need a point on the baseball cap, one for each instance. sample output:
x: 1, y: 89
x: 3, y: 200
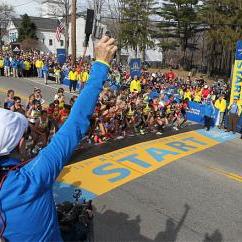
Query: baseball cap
x: 12, y: 128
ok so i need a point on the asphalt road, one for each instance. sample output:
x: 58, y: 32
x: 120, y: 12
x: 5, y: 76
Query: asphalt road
x: 196, y: 198
x: 193, y: 199
x: 24, y: 87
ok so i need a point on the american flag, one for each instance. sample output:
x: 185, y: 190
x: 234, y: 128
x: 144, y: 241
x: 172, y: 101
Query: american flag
x: 59, y: 30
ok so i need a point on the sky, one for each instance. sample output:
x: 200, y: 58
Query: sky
x: 32, y: 7
x: 24, y: 6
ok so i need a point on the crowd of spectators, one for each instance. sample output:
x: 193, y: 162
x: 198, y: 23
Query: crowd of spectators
x: 42, y: 65
x: 126, y: 107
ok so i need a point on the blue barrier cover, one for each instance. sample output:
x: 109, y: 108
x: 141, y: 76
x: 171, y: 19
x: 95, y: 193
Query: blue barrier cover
x: 196, y: 113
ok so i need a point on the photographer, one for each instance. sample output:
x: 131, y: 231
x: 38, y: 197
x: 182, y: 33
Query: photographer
x: 27, y: 205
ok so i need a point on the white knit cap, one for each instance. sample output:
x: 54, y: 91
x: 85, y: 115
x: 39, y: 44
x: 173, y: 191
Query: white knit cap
x: 12, y: 128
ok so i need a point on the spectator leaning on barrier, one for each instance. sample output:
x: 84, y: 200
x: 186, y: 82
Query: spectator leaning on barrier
x: 28, y: 210
x: 234, y: 111
x: 221, y: 106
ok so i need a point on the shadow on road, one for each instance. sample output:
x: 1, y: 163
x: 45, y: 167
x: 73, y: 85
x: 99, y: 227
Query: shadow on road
x: 112, y: 226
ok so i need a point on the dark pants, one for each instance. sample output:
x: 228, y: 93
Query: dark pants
x: 1, y: 71
x: 73, y: 85
x: 208, y: 121
x: 26, y: 73
x: 233, y: 121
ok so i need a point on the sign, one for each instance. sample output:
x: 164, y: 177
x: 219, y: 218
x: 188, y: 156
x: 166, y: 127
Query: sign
x: 196, y: 113
x: 61, y: 56
x: 106, y: 172
x: 236, y: 89
x: 16, y: 48
x: 135, y: 67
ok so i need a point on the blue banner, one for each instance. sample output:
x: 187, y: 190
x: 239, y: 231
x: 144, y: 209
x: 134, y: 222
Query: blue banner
x: 238, y: 55
x: 196, y: 113
x: 61, y: 56
x: 135, y: 67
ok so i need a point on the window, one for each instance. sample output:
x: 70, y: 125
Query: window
x: 13, y: 37
x: 50, y: 42
x: 43, y: 40
x: 62, y: 43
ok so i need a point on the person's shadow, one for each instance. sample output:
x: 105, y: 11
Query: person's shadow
x: 172, y: 229
x: 216, y: 236
x: 113, y: 226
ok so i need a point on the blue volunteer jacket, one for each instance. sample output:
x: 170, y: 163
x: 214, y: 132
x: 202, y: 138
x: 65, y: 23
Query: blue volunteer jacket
x: 7, y: 62
x: 26, y: 199
x: 45, y: 68
x: 15, y: 63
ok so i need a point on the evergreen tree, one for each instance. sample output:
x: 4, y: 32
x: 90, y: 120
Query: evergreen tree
x: 27, y: 29
x: 179, y: 24
x: 135, y: 27
x: 223, y: 19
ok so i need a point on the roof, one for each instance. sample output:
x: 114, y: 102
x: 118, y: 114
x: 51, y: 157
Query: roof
x: 48, y: 24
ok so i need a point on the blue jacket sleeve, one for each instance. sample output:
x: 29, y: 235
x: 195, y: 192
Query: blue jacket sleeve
x: 45, y: 168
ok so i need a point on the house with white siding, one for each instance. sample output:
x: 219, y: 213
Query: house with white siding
x: 45, y: 31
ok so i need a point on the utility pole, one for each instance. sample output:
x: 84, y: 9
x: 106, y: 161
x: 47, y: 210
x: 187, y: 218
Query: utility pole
x: 67, y: 18
x: 73, y: 32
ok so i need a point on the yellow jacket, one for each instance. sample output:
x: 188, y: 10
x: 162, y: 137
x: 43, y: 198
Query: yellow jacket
x: 221, y: 105
x: 27, y: 65
x: 39, y: 64
x: 73, y: 75
x: 198, y: 96
x: 1, y: 63
x: 188, y: 95
x: 135, y: 85
x: 83, y: 77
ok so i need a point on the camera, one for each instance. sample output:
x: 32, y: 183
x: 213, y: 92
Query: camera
x: 75, y: 218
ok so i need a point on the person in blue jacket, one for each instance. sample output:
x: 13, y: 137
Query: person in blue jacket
x: 45, y: 71
x: 27, y: 205
x: 7, y: 64
x: 15, y: 66
x: 209, y: 114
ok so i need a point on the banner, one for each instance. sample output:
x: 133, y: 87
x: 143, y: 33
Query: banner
x: 16, y: 48
x: 61, y: 56
x: 236, y: 89
x: 196, y: 113
x: 135, y: 67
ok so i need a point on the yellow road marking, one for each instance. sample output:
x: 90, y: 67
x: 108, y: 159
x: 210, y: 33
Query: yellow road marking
x: 98, y: 174
x: 229, y: 175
